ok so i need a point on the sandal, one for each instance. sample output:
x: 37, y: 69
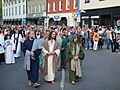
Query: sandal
x: 73, y: 83
x: 36, y: 85
x: 53, y: 82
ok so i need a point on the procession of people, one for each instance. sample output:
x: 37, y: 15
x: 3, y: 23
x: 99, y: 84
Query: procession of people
x: 48, y: 49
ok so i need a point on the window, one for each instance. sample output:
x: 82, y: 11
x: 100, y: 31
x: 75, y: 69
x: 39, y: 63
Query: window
x: 23, y: 0
x: 15, y: 1
x: 16, y: 10
x: 101, y: 0
x: 48, y: 7
x: 40, y: 8
x: 43, y: 7
x: 32, y: 9
x: 67, y: 4
x: 75, y: 4
x: 87, y: 1
x: 12, y: 11
x: 12, y: 2
x: 9, y: 12
x: 19, y: 1
x: 36, y: 9
x: 23, y: 9
x: 54, y: 6
x: 19, y: 10
x: 60, y: 5
x: 29, y: 9
x: 6, y: 12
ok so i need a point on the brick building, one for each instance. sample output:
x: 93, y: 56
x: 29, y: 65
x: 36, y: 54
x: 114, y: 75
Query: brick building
x: 62, y: 12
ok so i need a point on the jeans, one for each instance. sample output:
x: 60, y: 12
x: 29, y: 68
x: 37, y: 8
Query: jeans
x: 108, y: 43
x: 88, y: 43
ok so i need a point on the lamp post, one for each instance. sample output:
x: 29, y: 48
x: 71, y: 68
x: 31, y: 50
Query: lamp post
x: 78, y: 13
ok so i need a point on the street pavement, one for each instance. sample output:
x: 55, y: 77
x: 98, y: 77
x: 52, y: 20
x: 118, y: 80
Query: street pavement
x: 100, y: 71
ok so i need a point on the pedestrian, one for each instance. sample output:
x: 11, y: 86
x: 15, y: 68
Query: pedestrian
x: 96, y: 38
x: 63, y: 51
x: 118, y: 41
x: 51, y: 52
x: 113, y: 40
x: 2, y: 58
x: 17, y: 39
x: 75, y: 53
x: 32, y: 51
x: 9, y: 50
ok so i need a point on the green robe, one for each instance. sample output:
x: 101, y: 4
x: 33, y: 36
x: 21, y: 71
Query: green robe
x: 71, y: 45
x: 64, y: 45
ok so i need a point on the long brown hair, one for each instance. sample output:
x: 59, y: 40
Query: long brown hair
x: 50, y: 35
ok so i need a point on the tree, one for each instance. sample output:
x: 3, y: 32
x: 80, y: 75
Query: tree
x: 0, y: 9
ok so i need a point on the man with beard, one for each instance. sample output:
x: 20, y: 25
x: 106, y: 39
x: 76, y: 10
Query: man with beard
x: 32, y: 50
x: 51, y: 51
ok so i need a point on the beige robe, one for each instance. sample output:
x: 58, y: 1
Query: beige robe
x: 50, y: 60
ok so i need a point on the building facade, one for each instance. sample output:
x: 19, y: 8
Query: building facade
x: 13, y: 11
x: 100, y: 12
x: 36, y: 11
x: 61, y: 12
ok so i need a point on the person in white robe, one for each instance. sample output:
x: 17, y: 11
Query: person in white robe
x: 1, y: 47
x: 9, y: 48
x: 17, y: 39
x: 51, y: 51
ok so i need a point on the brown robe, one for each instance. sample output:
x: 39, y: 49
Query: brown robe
x: 55, y: 57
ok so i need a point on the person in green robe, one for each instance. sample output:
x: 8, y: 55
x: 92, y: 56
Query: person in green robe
x: 75, y: 53
x: 63, y: 51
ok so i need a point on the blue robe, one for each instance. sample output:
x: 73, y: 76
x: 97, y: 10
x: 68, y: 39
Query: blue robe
x: 33, y: 74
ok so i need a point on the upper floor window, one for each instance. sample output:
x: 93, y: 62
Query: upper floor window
x: 60, y: 5
x: 23, y: 9
x: 9, y: 11
x: 67, y: 4
x: 15, y: 10
x: 101, y: 0
x: 43, y: 6
x: 29, y: 9
x: 12, y: 11
x: 40, y: 7
x: 19, y: 10
x: 15, y: 1
x: 48, y: 7
x: 87, y: 1
x: 19, y: 1
x: 54, y: 6
x: 75, y: 4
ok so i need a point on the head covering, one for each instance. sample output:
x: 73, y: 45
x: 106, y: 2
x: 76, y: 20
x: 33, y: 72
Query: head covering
x: 74, y: 36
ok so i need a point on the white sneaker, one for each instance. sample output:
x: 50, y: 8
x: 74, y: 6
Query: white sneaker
x: 86, y: 48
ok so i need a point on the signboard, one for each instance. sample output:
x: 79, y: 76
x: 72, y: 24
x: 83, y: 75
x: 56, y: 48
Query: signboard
x: 118, y: 22
x: 23, y: 21
x: 57, y: 18
x: 78, y: 16
x: 74, y: 15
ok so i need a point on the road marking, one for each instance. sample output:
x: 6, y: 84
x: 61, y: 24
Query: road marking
x: 62, y: 84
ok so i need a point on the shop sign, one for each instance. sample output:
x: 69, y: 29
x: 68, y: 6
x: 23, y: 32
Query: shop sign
x: 118, y: 22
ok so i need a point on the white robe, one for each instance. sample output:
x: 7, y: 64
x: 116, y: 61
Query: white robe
x: 9, y: 55
x: 50, y: 76
x: 2, y: 43
x: 17, y: 54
